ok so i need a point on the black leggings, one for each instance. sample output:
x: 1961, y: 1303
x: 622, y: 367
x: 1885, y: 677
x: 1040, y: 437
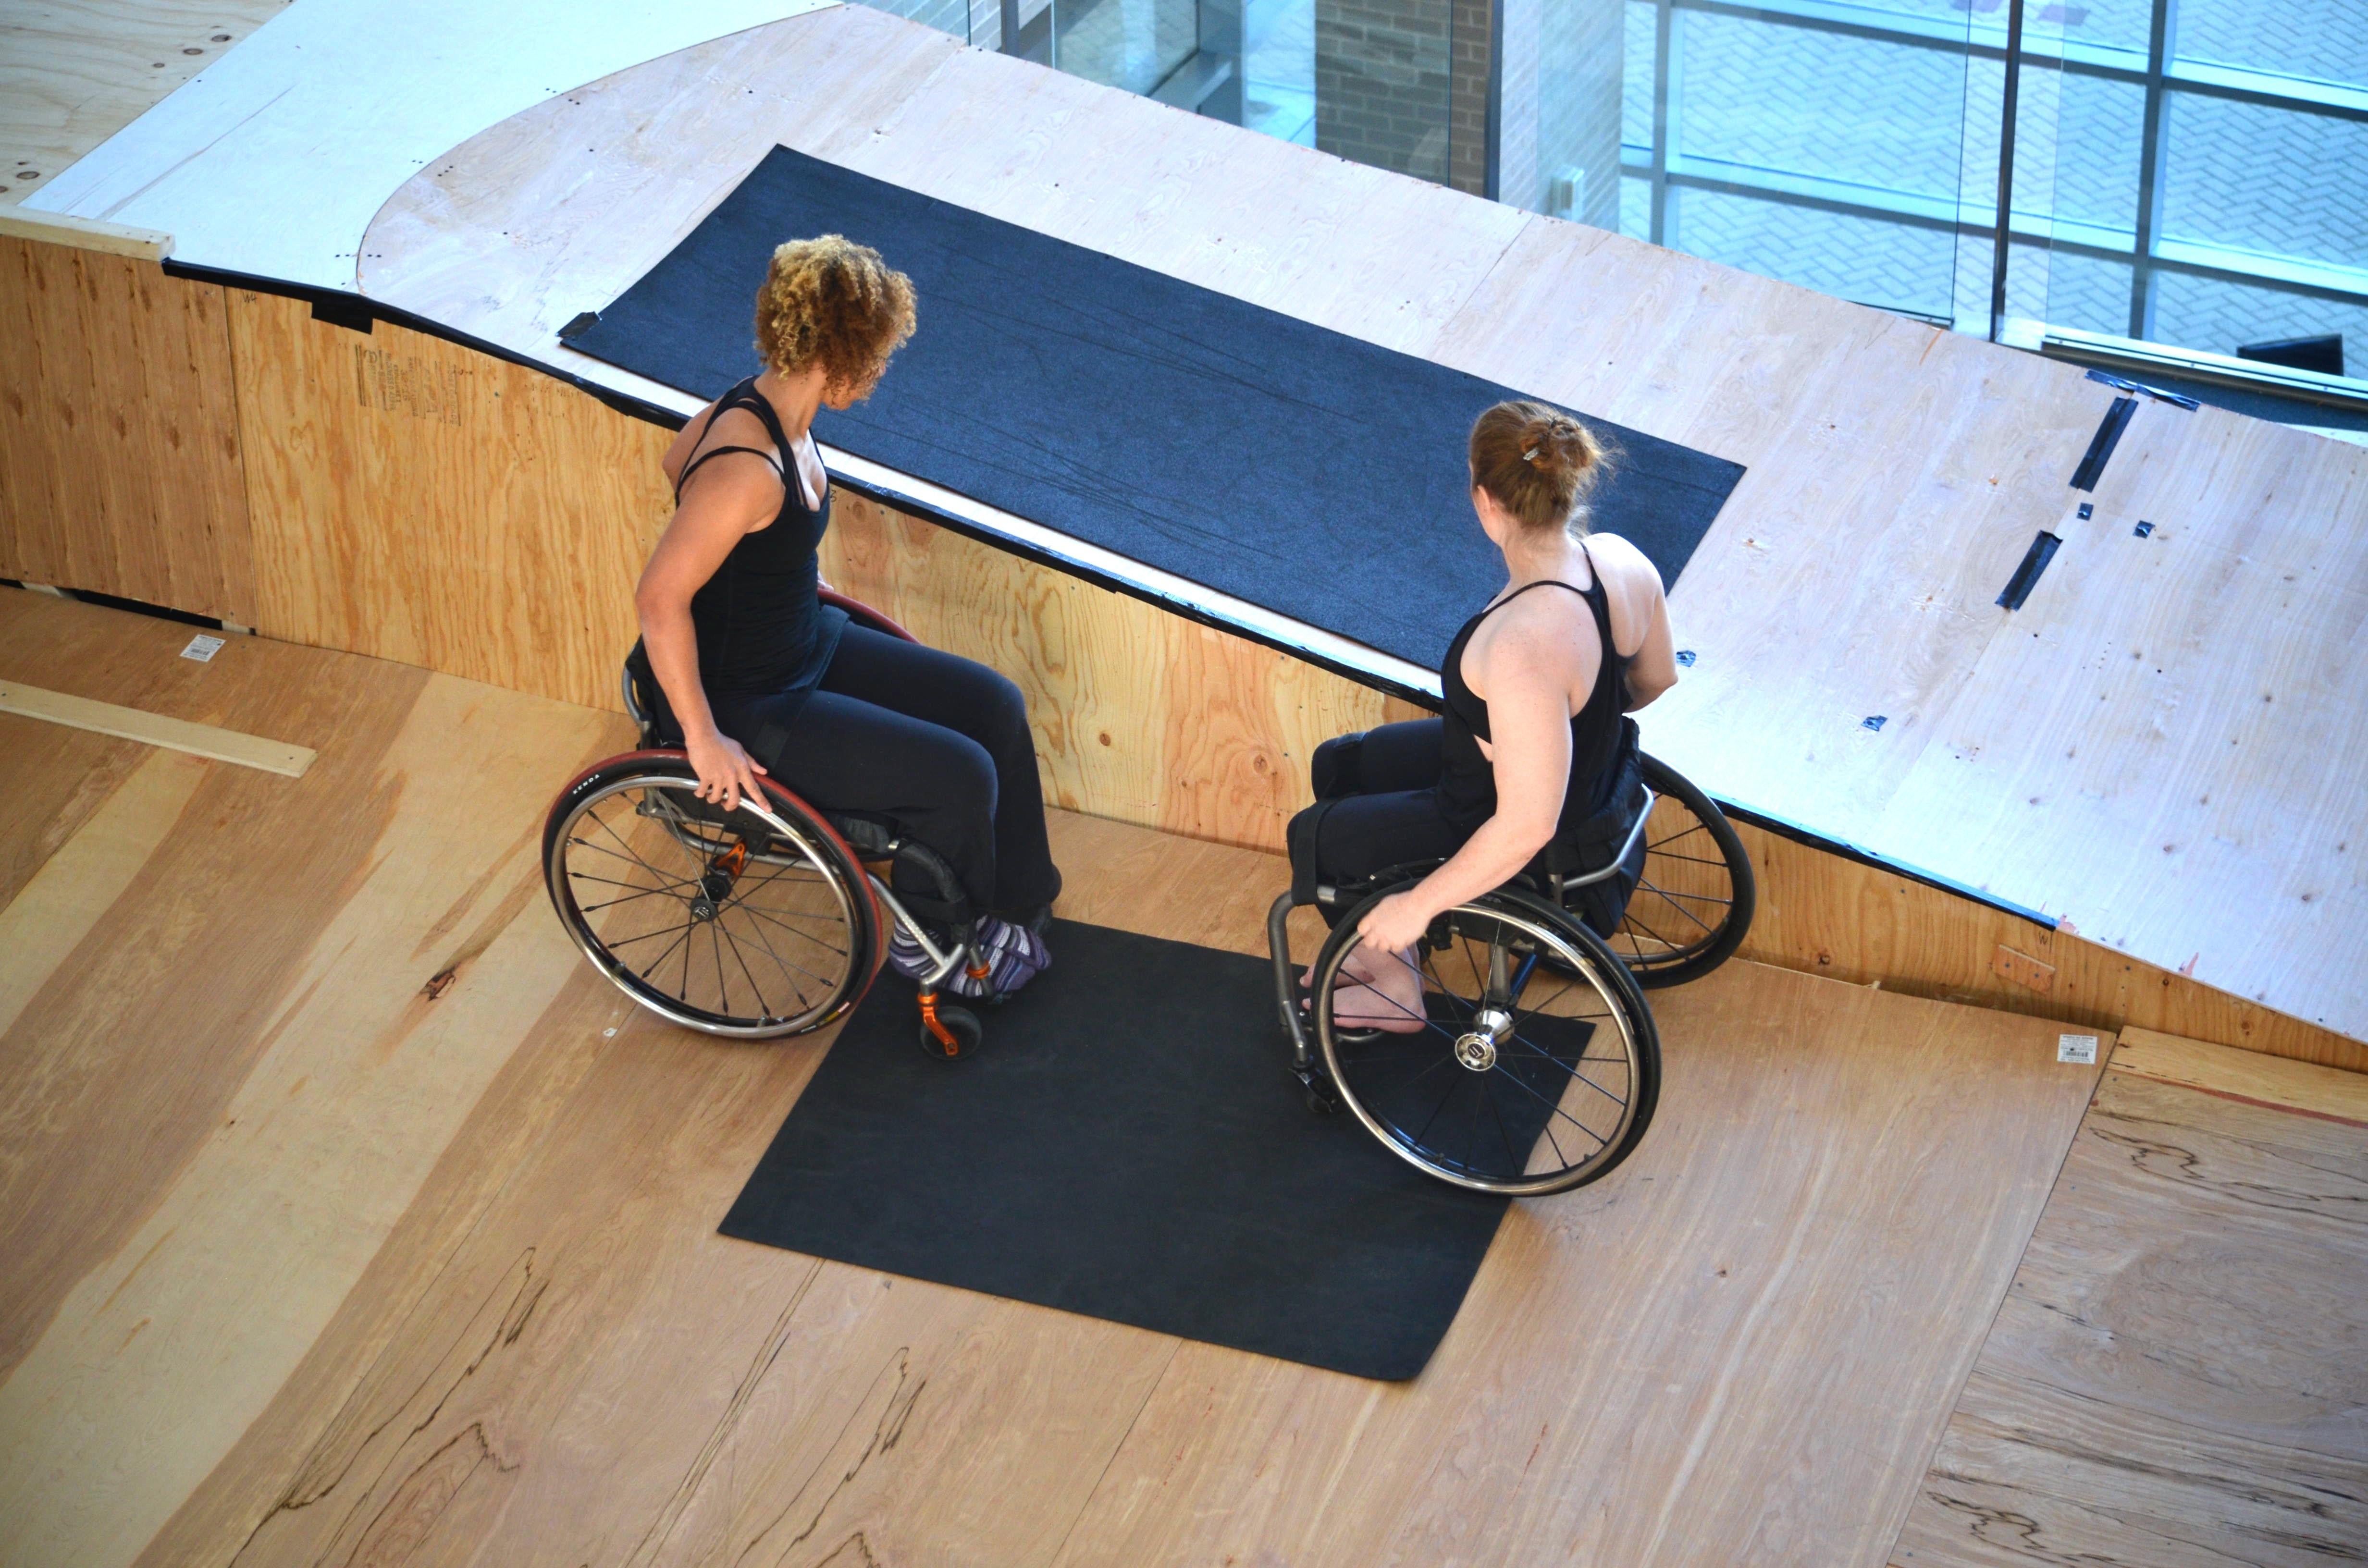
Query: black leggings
x: 1377, y: 805
x: 935, y: 744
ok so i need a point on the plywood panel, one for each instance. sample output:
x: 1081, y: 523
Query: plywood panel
x: 556, y: 1359
x: 1139, y: 714
x: 119, y: 432
x: 2177, y: 1377
x: 72, y: 72
x: 1828, y: 914
x: 2244, y: 1075
x: 223, y: 1081
x: 420, y: 502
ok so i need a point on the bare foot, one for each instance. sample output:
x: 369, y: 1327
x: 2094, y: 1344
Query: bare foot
x: 1379, y: 991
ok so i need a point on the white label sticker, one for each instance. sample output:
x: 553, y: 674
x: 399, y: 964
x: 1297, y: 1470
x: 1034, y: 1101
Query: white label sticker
x: 202, y: 648
x: 2080, y: 1048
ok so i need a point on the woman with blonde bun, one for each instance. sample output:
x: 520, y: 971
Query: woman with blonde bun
x: 761, y: 676
x: 1535, y: 740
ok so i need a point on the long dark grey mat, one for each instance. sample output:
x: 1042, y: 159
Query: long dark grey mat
x: 1286, y: 464
x: 1128, y: 1145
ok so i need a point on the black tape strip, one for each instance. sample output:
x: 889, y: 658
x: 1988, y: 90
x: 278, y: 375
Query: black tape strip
x: 2026, y: 576
x: 2102, y: 444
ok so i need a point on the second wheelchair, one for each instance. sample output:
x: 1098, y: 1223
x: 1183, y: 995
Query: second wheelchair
x: 1534, y: 1066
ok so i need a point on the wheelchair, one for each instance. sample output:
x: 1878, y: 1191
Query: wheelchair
x: 1536, y: 1066
x: 765, y: 920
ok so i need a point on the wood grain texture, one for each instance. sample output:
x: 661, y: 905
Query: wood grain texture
x: 220, y: 1079
x: 1896, y: 473
x: 2177, y: 1378
x: 2244, y: 1075
x: 118, y: 432
x: 73, y: 72
x: 555, y: 1359
x: 419, y: 502
x: 1828, y: 914
x: 210, y: 741
x: 1140, y: 714
x: 85, y: 234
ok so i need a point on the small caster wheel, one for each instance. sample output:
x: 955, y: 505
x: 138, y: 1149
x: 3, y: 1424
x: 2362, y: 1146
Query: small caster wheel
x: 958, y: 1023
x: 1320, y: 1099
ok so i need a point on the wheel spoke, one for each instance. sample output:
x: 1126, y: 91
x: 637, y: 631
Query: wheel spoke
x: 1551, y: 1106
x: 1682, y: 909
x: 784, y: 968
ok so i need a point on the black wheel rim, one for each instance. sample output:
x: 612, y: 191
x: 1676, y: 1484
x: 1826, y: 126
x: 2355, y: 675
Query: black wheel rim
x: 1551, y: 1101
x: 725, y: 923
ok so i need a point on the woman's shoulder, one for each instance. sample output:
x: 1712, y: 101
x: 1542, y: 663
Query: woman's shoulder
x: 1618, y: 559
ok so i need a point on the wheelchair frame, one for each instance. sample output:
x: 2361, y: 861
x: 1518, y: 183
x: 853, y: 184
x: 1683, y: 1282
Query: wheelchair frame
x: 947, y: 1031
x: 1304, y: 1064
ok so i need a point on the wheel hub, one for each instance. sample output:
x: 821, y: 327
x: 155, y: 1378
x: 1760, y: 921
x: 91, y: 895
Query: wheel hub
x: 1477, y: 1048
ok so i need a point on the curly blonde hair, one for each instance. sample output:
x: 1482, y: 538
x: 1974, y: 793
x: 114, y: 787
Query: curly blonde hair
x: 832, y: 302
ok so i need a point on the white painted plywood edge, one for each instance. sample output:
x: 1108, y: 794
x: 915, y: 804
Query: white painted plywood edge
x: 85, y: 234
x: 273, y: 160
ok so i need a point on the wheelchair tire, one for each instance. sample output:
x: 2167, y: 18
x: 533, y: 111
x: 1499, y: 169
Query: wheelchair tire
x: 1503, y: 1089
x: 1694, y: 904
x: 743, y: 924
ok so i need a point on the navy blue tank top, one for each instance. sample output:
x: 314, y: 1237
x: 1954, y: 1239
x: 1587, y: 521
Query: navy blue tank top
x: 762, y: 628
x: 1601, y: 734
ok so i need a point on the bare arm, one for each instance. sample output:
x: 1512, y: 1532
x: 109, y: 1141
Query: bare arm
x: 731, y: 495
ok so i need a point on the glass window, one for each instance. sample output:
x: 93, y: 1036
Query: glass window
x: 2274, y: 181
x: 1824, y: 105
x: 1899, y: 267
x: 2216, y: 316
x: 1637, y: 79
x: 1279, y: 69
x: 2324, y: 40
x: 1133, y: 44
x: 2077, y: 140
x: 1636, y: 207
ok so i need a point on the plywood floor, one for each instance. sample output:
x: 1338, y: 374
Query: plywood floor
x: 307, y: 1267
x: 2179, y: 1378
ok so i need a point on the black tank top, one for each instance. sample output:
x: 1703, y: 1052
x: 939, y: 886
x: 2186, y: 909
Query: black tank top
x: 761, y: 626
x: 1600, y: 732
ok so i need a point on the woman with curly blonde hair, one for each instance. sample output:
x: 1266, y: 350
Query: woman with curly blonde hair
x: 762, y: 677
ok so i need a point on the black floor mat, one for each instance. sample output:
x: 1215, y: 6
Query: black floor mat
x: 1129, y: 1144
x: 1305, y: 470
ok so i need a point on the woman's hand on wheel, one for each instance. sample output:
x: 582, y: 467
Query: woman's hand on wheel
x: 1396, y: 924
x: 725, y: 770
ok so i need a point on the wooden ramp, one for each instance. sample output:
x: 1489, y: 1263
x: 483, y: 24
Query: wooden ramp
x: 352, y: 1219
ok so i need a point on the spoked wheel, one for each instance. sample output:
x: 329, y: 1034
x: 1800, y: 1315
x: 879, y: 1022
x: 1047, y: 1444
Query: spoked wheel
x: 753, y: 924
x: 1532, y: 1066
x: 1692, y: 908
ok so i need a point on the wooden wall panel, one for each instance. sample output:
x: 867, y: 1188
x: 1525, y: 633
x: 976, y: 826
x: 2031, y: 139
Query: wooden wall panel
x: 1829, y: 916
x: 419, y: 501
x: 1140, y: 715
x: 119, y: 432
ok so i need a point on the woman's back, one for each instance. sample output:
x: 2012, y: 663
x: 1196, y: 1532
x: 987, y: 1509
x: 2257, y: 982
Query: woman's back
x: 1581, y: 626
x: 759, y: 621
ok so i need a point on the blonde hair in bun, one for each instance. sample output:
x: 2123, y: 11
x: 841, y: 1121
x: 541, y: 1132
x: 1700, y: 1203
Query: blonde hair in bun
x: 1538, y: 464
x: 832, y: 302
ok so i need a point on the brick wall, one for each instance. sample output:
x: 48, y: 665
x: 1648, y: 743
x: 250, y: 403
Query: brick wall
x: 1383, y: 83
